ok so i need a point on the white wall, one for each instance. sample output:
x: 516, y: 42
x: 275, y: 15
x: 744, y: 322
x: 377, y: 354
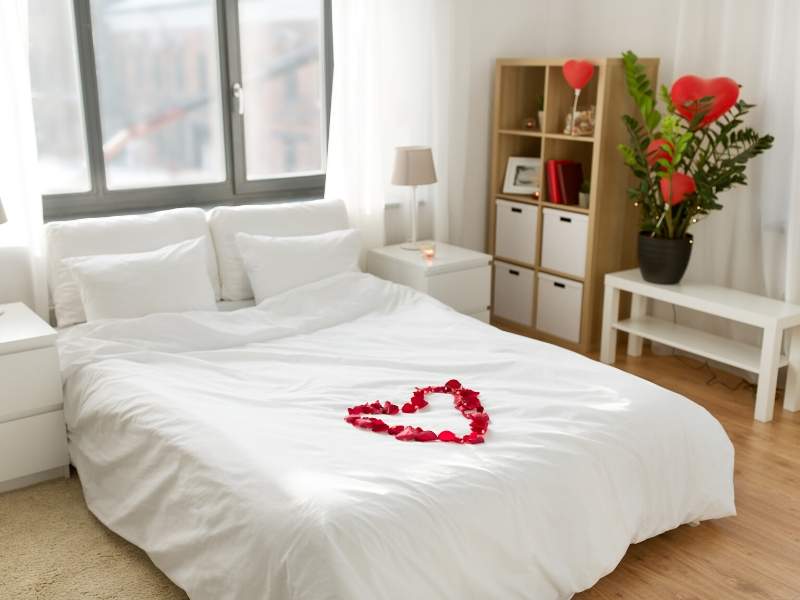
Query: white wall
x: 487, y: 30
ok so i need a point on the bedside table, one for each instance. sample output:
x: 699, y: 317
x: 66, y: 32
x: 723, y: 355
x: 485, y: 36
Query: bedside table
x: 458, y: 277
x: 33, y: 437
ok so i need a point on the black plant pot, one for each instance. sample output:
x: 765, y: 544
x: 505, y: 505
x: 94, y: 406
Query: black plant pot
x: 662, y: 260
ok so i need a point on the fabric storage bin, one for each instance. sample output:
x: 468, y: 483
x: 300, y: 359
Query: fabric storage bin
x: 515, y: 231
x: 564, y: 241
x: 513, y: 293
x: 558, y: 307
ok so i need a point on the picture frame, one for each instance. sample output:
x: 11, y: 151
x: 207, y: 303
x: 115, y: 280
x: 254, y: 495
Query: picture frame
x: 523, y: 174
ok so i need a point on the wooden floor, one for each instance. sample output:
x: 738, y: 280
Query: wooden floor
x: 755, y: 555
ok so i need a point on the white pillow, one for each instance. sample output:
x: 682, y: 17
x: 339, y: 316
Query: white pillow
x: 277, y: 264
x: 122, y: 286
x: 288, y: 219
x: 116, y: 235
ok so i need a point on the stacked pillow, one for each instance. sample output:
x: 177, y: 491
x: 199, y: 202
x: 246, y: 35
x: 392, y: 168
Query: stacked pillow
x: 131, y: 266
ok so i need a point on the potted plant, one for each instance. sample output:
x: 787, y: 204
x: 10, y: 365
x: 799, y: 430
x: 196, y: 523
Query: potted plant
x: 683, y: 160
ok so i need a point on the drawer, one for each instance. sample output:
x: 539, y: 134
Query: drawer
x: 515, y: 231
x: 468, y: 291
x: 513, y: 293
x: 32, y: 445
x: 31, y: 383
x: 558, y: 307
x: 564, y: 236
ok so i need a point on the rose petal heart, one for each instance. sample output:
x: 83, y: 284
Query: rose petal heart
x: 688, y: 91
x: 655, y: 151
x: 465, y: 401
x: 577, y: 73
x: 674, y: 189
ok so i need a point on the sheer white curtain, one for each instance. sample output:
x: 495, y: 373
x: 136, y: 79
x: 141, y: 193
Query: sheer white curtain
x: 754, y: 242
x: 18, y: 160
x: 391, y: 87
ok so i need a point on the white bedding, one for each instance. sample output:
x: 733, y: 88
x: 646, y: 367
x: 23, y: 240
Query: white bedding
x: 216, y: 442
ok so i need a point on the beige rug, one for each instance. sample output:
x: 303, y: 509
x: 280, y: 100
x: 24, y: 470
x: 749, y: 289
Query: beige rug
x: 52, y: 548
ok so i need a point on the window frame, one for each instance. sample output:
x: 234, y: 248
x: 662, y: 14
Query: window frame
x: 235, y: 189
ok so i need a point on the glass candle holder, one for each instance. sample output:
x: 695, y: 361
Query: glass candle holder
x: 428, y: 250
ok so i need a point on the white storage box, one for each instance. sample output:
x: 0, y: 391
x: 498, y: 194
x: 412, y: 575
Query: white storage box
x: 564, y: 241
x: 515, y: 231
x: 558, y: 308
x: 513, y: 293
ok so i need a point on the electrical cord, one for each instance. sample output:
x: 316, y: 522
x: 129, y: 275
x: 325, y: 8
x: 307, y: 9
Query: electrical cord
x: 713, y: 377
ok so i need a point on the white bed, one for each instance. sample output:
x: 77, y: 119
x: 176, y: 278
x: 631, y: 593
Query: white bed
x: 216, y: 442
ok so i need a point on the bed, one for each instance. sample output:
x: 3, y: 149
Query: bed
x: 216, y: 442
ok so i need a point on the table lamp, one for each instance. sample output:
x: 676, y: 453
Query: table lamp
x: 413, y: 166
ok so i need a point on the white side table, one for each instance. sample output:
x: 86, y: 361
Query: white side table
x: 772, y: 316
x: 33, y: 439
x: 458, y: 277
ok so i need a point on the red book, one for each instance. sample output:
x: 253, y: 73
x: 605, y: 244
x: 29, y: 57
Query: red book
x: 570, y: 178
x: 553, y: 189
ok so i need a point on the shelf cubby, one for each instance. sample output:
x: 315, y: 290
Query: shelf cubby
x: 521, y: 89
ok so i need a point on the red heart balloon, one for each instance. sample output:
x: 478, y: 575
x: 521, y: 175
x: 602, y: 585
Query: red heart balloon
x: 687, y: 92
x: 674, y: 189
x: 577, y: 73
x: 655, y: 151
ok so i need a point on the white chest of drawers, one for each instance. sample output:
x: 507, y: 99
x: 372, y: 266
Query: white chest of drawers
x: 458, y: 277
x: 33, y: 441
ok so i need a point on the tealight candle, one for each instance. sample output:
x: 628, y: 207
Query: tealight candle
x: 428, y: 250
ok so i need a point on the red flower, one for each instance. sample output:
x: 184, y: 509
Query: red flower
x: 675, y: 188
x: 395, y: 430
x: 655, y: 151
x: 409, y: 408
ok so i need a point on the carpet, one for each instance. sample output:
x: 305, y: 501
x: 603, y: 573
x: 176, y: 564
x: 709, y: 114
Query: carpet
x: 53, y: 548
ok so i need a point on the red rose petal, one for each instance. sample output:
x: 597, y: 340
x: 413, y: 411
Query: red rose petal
x: 466, y: 401
x: 453, y: 384
x: 426, y: 436
x: 407, y: 434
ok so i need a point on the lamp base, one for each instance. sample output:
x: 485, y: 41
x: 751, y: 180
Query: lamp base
x: 414, y: 246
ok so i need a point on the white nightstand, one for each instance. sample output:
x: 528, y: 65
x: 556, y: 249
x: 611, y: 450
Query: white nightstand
x: 456, y: 276
x: 33, y: 438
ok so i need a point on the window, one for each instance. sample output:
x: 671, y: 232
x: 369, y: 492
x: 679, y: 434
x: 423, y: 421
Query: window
x: 152, y: 103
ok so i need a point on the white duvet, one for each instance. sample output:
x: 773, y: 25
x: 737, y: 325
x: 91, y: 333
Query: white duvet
x: 216, y: 442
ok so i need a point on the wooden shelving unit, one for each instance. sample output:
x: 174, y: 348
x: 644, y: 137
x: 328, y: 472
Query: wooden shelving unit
x: 612, y: 220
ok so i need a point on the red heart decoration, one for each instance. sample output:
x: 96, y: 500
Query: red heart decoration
x: 656, y: 152
x: 465, y: 401
x: 675, y: 188
x: 687, y: 92
x: 577, y: 73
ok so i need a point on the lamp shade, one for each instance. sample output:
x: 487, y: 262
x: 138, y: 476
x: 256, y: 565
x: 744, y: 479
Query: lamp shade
x: 413, y: 165
x: 2, y: 213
